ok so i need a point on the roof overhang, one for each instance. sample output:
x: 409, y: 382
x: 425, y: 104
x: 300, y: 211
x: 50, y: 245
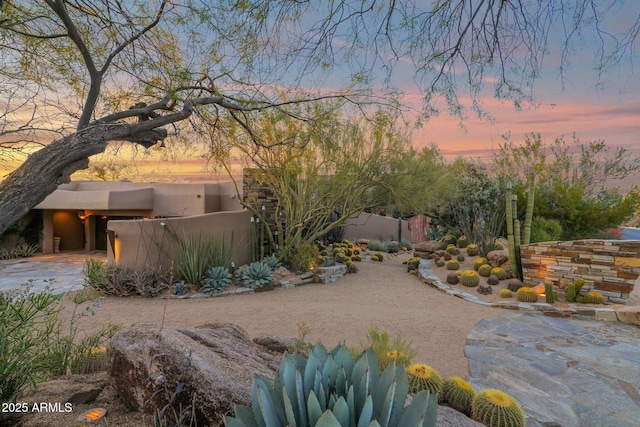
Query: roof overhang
x: 135, y: 199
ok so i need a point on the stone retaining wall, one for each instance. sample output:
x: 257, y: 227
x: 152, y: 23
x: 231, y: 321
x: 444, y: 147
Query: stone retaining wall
x: 610, y: 267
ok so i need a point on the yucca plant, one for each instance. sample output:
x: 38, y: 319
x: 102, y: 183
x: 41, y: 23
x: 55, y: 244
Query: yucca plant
x: 330, y: 389
x: 218, y: 279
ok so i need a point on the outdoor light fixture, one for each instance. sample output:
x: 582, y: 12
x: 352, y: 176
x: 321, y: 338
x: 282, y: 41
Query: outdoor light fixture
x: 93, y: 415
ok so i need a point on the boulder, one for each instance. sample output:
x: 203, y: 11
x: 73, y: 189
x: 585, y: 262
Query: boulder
x: 426, y: 249
x: 210, y: 367
x: 448, y: 417
x: 279, y: 274
x: 277, y: 345
x: 498, y: 258
x: 629, y: 314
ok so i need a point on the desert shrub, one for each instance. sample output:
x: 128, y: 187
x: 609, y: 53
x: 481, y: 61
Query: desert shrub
x: 35, y: 346
x: 302, y: 257
x: 376, y: 245
x: 195, y: 254
x: 27, y: 322
x: 398, y: 350
x: 406, y: 245
x: 97, y: 273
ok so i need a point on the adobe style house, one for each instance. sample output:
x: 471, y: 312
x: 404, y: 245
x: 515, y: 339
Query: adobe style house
x: 87, y: 215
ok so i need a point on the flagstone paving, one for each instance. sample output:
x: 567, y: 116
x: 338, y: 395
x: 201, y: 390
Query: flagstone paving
x: 562, y: 372
x: 65, y: 268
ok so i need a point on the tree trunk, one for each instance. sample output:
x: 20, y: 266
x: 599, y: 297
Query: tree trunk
x: 53, y: 164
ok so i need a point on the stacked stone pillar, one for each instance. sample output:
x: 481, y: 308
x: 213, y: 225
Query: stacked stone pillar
x: 257, y: 194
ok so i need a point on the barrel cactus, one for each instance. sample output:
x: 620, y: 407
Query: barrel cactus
x: 470, y: 278
x: 498, y: 246
x: 423, y: 377
x: 375, y: 258
x: 453, y: 279
x: 495, y: 408
x: 449, y: 240
x: 526, y: 294
x: 579, y: 284
x: 340, y: 257
x: 479, y: 262
x: 440, y: 263
x: 484, y: 270
x: 593, y: 297
x: 447, y: 256
x: 462, y: 242
x: 380, y: 256
x: 506, y: 293
x: 458, y: 394
x: 499, y: 272
x: 331, y: 389
x: 493, y: 280
x: 472, y: 249
x: 453, y: 265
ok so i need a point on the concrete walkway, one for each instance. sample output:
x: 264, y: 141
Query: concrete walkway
x: 64, y: 267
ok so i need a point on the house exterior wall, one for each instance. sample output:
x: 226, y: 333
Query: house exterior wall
x: 610, y: 267
x: 149, y: 243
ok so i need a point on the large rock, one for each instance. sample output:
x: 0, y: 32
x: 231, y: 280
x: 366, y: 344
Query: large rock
x: 426, y: 249
x: 629, y: 314
x: 214, y: 365
x: 498, y: 258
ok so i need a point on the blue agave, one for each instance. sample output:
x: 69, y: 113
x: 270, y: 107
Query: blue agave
x: 331, y: 390
x: 218, y: 279
x: 256, y: 275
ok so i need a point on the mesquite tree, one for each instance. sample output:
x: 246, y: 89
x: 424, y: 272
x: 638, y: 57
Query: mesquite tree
x: 78, y: 74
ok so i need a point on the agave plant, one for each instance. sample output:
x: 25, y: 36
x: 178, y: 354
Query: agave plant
x: 218, y: 279
x: 272, y: 261
x: 330, y: 389
x: 256, y: 275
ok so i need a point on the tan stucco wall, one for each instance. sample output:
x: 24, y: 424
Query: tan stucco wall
x: 140, y: 243
x: 372, y: 226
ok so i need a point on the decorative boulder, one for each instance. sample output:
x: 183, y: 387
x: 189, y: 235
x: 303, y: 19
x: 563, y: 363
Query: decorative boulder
x: 212, y: 365
x: 498, y: 258
x: 427, y: 249
x: 279, y: 274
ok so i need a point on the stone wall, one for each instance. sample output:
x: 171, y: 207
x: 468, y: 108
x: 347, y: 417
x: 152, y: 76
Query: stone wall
x: 610, y: 267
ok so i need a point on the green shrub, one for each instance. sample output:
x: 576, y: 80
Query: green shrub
x: 303, y: 257
x: 195, y: 254
x: 27, y: 323
x: 545, y: 230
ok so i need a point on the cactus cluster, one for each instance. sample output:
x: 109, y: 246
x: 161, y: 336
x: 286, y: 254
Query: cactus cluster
x: 573, y: 290
x: 470, y: 278
x: 526, y: 294
x: 458, y: 394
x: 423, y: 377
x: 379, y: 255
x: 330, y: 389
x: 495, y: 408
